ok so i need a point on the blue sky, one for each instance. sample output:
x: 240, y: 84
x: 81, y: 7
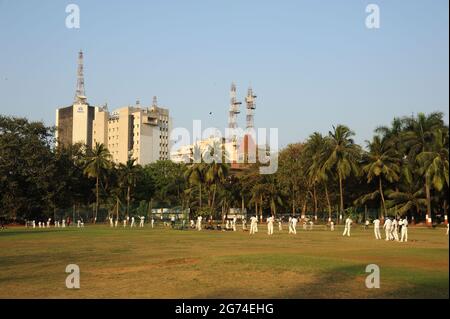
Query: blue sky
x: 311, y: 63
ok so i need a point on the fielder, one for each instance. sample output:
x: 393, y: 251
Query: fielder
x: 253, y: 221
x: 376, y: 228
x: 294, y: 225
x: 270, y: 225
x: 394, y: 229
x: 141, y: 223
x: 348, y: 226
x: 404, y: 231
x: 387, y: 228
x: 199, y: 223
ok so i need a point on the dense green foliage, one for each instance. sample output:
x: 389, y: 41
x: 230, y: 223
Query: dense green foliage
x: 402, y: 170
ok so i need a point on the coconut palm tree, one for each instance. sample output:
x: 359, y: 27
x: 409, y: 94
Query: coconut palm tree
x: 97, y: 161
x: 343, y: 158
x: 381, y: 162
x: 128, y: 174
x: 434, y: 165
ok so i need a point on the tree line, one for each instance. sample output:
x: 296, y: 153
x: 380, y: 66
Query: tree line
x: 403, y: 170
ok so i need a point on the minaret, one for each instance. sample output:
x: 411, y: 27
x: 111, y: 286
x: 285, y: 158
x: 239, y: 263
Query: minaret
x: 80, y: 95
x: 234, y: 108
x: 251, y: 106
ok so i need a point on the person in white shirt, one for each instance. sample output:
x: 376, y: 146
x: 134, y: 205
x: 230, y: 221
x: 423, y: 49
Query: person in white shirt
x: 404, y: 231
x: 376, y: 228
x: 290, y: 225
x: 153, y: 222
x: 142, y: 220
x: 199, y: 223
x: 280, y: 224
x: 332, y: 225
x: 348, y: 226
x: 234, y: 223
x: 394, y: 229
x: 244, y: 224
x: 253, y: 221
x: 387, y: 229
x: 294, y: 225
x: 270, y: 221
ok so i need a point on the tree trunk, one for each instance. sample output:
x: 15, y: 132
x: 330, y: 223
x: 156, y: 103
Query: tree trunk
x: 315, y: 199
x: 341, y: 191
x: 128, y: 200
x: 330, y: 211
x: 427, y: 190
x: 96, y: 200
x: 200, y: 196
x: 117, y: 209
x: 382, y: 198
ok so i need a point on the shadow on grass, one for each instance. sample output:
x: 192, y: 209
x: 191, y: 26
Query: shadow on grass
x: 348, y: 282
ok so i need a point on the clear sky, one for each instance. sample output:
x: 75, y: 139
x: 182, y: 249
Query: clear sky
x: 311, y: 63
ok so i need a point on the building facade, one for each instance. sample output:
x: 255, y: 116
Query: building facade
x: 134, y: 132
x: 74, y: 124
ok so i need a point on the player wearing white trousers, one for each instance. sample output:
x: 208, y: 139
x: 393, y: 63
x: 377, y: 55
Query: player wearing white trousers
x: 376, y: 228
x: 348, y: 226
x: 294, y: 225
x: 395, y: 229
x: 199, y: 223
x: 270, y: 221
x: 332, y: 226
x: 404, y: 231
x: 387, y: 228
x: 141, y: 223
x: 253, y: 222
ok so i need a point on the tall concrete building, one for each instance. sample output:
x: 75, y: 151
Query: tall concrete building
x: 134, y: 131
x: 74, y: 123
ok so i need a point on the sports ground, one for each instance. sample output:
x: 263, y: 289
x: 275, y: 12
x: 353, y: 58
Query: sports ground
x: 165, y: 263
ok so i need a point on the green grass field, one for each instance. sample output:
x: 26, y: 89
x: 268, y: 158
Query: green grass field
x: 164, y: 263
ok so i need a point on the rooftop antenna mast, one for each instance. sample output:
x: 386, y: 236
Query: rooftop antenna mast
x: 234, y: 109
x: 80, y: 95
x: 251, y: 106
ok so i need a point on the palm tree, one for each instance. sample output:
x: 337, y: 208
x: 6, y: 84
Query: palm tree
x: 316, y: 152
x: 128, y: 173
x: 434, y: 165
x: 97, y: 161
x: 195, y: 175
x: 381, y: 162
x: 344, y: 157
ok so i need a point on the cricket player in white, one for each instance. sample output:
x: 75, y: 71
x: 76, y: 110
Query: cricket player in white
x: 253, y: 221
x: 290, y: 225
x: 63, y: 223
x: 270, y: 221
x: 332, y: 226
x: 376, y: 228
x: 111, y: 222
x: 404, y: 231
x: 199, y: 223
x: 256, y: 224
x: 244, y: 224
x: 387, y: 228
x: 234, y: 223
x: 280, y: 224
x: 153, y: 222
x: 141, y: 223
x: 294, y: 225
x: 348, y: 226
x: 34, y: 224
x: 394, y: 229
